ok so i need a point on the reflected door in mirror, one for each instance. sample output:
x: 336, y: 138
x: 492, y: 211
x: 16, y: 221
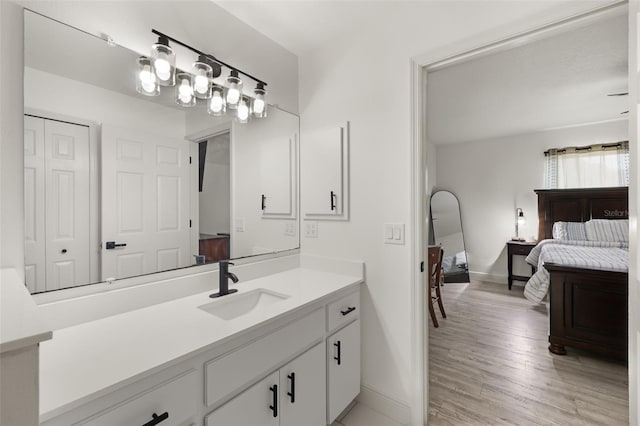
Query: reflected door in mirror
x: 56, y: 173
x: 447, y: 232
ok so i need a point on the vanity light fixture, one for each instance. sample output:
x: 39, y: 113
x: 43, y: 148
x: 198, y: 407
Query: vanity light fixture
x: 147, y: 83
x: 259, y: 106
x: 217, y: 105
x: 520, y: 220
x: 164, y: 61
x: 243, y: 110
x: 234, y: 89
x: 185, y: 95
x: 203, y: 75
x: 160, y: 70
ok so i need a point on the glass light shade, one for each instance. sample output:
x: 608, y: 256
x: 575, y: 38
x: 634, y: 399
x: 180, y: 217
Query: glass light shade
x: 164, y: 62
x: 243, y: 110
x: 146, y: 81
x: 217, y: 105
x: 259, y: 106
x: 203, y: 73
x: 234, y: 90
x: 185, y: 95
x: 521, y: 218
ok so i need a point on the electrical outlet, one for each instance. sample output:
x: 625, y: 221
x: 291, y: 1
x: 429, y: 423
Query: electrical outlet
x: 239, y: 224
x: 311, y: 229
x: 290, y: 229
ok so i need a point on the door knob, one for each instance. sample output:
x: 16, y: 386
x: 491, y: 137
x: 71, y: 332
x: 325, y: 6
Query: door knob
x: 110, y: 245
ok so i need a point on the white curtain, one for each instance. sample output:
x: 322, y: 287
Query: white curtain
x: 588, y: 167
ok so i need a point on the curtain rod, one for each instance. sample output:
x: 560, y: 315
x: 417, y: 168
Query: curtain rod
x: 601, y: 146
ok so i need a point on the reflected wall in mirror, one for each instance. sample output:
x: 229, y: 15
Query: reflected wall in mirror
x: 447, y: 232
x: 118, y: 184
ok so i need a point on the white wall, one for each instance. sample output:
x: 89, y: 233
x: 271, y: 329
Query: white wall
x: 363, y: 77
x: 52, y: 93
x: 493, y: 177
x: 216, y: 187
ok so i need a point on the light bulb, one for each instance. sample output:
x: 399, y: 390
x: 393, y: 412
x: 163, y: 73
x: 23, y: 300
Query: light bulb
x: 201, y: 84
x: 163, y: 68
x: 216, y: 102
x: 147, y: 79
x: 258, y: 106
x: 243, y: 111
x: 146, y: 83
x: 233, y: 95
x: 185, y: 91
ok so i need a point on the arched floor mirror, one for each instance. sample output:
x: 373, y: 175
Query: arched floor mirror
x: 446, y: 227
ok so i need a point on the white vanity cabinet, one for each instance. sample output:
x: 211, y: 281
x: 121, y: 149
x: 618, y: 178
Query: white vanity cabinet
x: 291, y: 396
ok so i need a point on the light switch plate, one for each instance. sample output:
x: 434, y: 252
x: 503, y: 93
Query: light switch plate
x: 394, y: 233
x: 311, y: 229
x: 290, y: 229
x: 239, y: 224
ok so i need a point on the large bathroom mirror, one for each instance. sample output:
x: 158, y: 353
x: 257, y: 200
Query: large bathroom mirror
x: 447, y: 232
x: 118, y: 184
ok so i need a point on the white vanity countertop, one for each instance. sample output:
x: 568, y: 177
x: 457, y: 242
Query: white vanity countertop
x: 91, y: 359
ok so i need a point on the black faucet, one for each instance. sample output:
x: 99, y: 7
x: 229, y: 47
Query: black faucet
x: 223, y: 287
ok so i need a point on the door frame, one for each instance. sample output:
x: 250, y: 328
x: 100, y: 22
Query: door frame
x: 94, y: 182
x: 420, y: 66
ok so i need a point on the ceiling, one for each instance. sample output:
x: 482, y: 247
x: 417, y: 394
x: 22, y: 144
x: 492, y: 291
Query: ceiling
x: 556, y: 82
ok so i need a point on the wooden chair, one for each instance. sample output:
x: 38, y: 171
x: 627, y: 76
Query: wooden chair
x: 435, y: 254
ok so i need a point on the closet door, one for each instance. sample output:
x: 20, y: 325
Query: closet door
x: 67, y: 200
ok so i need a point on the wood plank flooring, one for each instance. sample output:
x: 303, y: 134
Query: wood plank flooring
x: 489, y: 365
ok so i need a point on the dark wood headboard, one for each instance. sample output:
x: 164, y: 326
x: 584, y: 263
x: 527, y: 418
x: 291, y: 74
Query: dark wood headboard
x: 579, y: 205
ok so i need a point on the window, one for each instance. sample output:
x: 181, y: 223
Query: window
x: 588, y: 166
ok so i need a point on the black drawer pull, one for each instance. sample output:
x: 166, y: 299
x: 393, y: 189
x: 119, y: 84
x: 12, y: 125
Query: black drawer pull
x: 157, y: 419
x: 263, y: 204
x: 333, y: 200
x: 339, y: 357
x: 292, y: 394
x: 348, y: 311
x: 274, y: 407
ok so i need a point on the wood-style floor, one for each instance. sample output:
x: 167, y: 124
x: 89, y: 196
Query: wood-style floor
x: 489, y: 365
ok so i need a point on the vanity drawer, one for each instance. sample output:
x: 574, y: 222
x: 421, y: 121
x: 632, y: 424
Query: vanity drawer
x: 227, y: 375
x: 343, y: 311
x: 177, y: 397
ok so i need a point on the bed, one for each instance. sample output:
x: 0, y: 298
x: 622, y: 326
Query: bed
x: 455, y: 268
x: 587, y: 305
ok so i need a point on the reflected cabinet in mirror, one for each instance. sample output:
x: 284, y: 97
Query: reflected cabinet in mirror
x: 447, y: 232
x: 118, y: 184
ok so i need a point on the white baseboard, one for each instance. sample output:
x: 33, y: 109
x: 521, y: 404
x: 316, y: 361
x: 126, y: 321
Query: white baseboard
x: 391, y: 408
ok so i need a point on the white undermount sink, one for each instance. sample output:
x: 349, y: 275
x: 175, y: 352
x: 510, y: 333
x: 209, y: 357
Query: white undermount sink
x: 238, y: 304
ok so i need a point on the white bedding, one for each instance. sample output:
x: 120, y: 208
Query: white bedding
x: 610, y: 256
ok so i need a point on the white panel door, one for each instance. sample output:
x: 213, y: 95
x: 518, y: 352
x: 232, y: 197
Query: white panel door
x: 322, y: 174
x: 343, y: 358
x: 277, y: 161
x: 67, y: 224
x: 303, y: 389
x: 257, y: 406
x: 145, y: 203
x: 34, y: 205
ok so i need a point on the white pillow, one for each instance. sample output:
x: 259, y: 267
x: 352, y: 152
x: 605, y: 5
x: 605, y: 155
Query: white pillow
x: 607, y: 230
x: 575, y: 231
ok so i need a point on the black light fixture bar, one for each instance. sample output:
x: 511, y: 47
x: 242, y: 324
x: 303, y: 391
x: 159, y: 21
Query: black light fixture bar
x: 213, y: 58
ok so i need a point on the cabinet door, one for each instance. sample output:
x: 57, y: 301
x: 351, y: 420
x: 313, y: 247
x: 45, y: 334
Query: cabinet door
x: 303, y: 389
x: 343, y: 359
x: 325, y: 176
x: 257, y: 406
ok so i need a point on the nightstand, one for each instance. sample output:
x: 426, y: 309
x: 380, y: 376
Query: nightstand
x: 520, y: 248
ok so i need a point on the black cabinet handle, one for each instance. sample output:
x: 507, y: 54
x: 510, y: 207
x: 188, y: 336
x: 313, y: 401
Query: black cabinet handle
x: 348, y: 311
x: 333, y: 200
x: 110, y: 245
x: 339, y: 357
x: 274, y: 407
x: 157, y: 419
x: 63, y: 251
x: 292, y: 394
x: 264, y: 203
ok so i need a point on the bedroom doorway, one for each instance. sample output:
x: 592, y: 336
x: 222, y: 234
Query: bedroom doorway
x: 424, y: 71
